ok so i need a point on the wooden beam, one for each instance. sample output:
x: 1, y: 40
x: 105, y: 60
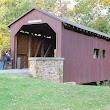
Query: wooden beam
x: 29, y: 51
x: 42, y: 48
x: 16, y: 48
x: 47, y: 50
x: 38, y: 47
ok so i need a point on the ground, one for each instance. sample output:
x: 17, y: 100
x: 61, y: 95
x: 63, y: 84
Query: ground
x: 20, y: 92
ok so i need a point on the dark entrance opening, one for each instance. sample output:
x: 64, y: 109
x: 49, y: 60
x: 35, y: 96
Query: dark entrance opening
x: 35, y: 40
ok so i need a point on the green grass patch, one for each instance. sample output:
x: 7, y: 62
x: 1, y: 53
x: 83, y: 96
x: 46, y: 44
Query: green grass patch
x: 19, y: 92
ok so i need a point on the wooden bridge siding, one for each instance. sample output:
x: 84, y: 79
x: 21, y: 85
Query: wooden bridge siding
x: 79, y: 64
x: 22, y: 49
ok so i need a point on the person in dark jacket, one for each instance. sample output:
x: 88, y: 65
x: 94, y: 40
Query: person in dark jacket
x: 3, y: 60
x: 8, y: 57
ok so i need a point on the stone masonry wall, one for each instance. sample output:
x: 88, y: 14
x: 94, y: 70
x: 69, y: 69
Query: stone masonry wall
x: 47, y: 68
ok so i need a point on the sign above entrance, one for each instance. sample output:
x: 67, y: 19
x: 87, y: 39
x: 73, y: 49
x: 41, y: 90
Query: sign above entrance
x: 34, y: 21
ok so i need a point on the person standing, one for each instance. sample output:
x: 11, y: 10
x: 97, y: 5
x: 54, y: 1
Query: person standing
x: 3, y: 59
x: 8, y: 57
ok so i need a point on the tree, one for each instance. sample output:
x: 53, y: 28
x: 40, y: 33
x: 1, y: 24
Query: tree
x: 9, y: 11
x: 93, y: 13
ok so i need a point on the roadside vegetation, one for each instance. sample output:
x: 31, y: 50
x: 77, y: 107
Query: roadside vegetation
x: 19, y: 92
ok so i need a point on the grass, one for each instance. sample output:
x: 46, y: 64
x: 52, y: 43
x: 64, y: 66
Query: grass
x: 18, y: 92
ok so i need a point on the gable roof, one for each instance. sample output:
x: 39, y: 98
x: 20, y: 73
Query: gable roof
x: 64, y: 21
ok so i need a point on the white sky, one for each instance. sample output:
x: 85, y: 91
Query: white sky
x: 72, y: 1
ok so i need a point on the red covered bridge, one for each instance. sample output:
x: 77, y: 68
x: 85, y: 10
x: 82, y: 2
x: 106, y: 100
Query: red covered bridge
x: 39, y: 34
